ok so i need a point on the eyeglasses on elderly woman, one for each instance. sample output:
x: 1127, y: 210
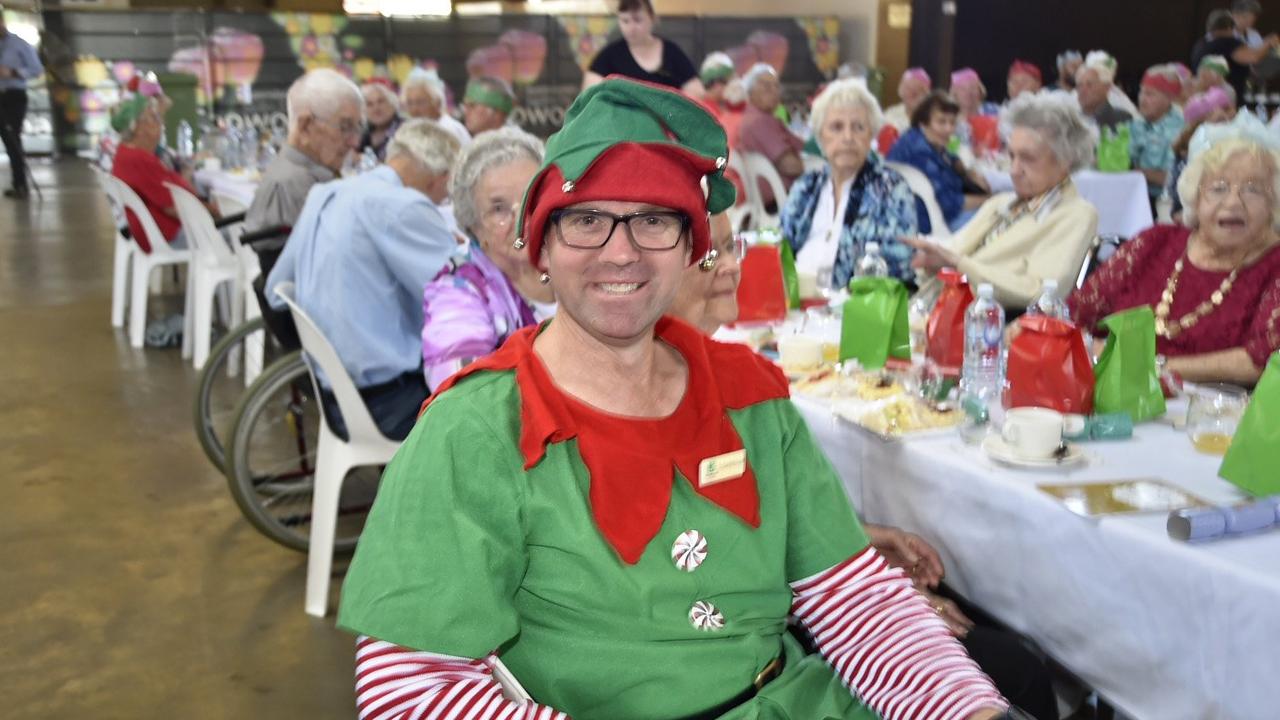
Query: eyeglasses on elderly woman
x: 647, y: 229
x: 1248, y: 191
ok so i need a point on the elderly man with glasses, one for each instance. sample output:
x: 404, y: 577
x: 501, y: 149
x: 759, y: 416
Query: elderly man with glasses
x: 326, y: 120
x: 359, y: 256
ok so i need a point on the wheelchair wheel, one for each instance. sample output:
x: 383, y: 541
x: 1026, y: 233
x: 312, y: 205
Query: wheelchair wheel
x: 271, y: 460
x: 243, y: 352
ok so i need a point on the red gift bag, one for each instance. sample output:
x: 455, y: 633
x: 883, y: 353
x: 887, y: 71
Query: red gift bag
x: 986, y: 133
x: 762, y: 296
x: 1049, y: 367
x: 944, y: 330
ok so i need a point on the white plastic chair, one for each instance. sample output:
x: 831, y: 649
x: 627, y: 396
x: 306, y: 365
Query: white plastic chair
x: 751, y: 207
x: 759, y: 168
x: 366, y: 445
x: 228, y: 205
x: 143, y: 263
x: 212, y: 264
x: 122, y: 255
x: 923, y: 189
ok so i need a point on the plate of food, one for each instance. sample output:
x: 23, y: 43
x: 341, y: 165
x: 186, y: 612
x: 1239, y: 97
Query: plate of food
x: 899, y: 416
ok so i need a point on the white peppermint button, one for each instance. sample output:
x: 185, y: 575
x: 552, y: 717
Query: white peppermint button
x: 704, y: 616
x: 689, y: 550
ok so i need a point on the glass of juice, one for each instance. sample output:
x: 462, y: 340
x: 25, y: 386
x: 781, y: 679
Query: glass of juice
x: 1213, y: 414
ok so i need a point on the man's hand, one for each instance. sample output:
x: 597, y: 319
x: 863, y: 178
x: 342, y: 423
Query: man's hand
x: 908, y: 552
x: 929, y: 256
x: 7, y: 72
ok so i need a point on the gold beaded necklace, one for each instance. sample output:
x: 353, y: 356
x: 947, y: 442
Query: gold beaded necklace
x: 1170, y: 330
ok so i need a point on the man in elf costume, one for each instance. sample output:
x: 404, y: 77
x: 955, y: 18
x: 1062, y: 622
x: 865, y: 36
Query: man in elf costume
x: 620, y: 513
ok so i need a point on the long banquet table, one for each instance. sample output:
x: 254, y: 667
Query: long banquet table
x: 1162, y: 629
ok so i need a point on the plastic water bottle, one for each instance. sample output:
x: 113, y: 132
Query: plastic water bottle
x: 1164, y: 206
x: 186, y: 141
x: 1049, y: 303
x: 249, y: 147
x: 982, y: 376
x: 232, y: 159
x: 368, y: 160
x: 872, y: 264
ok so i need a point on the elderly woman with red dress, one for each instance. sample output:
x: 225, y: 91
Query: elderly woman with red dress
x: 1214, y: 284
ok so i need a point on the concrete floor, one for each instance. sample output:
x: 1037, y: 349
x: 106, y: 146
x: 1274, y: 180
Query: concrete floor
x: 130, y: 586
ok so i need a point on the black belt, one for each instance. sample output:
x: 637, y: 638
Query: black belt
x: 764, y: 677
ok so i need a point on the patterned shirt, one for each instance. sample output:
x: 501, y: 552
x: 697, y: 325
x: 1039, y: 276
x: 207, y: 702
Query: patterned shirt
x: 881, y: 208
x: 1151, y: 144
x: 468, y: 311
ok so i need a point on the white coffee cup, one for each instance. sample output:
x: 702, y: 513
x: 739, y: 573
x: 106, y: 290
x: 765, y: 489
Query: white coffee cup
x: 1031, y: 432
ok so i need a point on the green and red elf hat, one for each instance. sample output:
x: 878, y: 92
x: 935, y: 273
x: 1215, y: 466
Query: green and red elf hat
x: 631, y: 141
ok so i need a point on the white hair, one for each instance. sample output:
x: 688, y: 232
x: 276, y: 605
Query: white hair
x: 756, y: 72
x: 1101, y: 63
x: 1212, y: 160
x: 320, y: 92
x: 1056, y: 117
x: 385, y: 91
x: 850, y: 92
x: 716, y: 59
x: 428, y: 80
x: 489, y: 151
x: 427, y: 143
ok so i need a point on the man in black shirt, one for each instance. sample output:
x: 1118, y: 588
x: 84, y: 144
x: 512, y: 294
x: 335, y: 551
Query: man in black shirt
x: 1222, y: 40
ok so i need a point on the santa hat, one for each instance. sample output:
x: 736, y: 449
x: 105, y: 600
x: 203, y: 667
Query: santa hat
x: 631, y: 141
x: 1161, y: 78
x: 1026, y: 68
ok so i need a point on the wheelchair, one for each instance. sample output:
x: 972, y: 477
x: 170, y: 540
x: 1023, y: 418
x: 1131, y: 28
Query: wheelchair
x: 257, y: 417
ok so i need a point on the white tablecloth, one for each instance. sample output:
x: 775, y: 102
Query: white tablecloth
x: 1121, y: 198
x: 1161, y: 628
x: 237, y: 186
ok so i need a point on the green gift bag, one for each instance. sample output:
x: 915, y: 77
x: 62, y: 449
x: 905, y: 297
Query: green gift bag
x: 1254, y: 454
x: 1113, y: 150
x: 874, y: 327
x: 789, y: 281
x: 1126, y: 376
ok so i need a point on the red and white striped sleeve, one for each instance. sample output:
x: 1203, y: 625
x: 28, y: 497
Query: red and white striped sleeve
x: 395, y: 683
x: 888, y: 645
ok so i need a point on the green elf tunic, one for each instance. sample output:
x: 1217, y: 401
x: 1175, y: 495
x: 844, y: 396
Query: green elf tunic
x: 581, y: 548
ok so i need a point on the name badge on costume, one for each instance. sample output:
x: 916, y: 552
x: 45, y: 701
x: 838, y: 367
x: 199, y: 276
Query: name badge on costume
x: 720, y: 468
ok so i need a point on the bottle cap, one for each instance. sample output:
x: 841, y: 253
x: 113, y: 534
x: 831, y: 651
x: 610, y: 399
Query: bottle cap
x: 986, y: 291
x: 873, y: 247
x: 1050, y: 284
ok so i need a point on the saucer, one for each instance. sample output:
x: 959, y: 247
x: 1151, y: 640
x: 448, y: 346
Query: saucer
x: 997, y: 449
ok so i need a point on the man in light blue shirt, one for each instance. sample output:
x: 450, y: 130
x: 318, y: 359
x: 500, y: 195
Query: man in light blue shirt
x: 359, y: 257
x: 18, y: 64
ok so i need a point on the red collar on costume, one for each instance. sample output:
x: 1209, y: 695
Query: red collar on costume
x: 631, y: 472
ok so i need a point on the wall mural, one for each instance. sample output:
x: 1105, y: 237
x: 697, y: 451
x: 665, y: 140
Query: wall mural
x: 242, y: 63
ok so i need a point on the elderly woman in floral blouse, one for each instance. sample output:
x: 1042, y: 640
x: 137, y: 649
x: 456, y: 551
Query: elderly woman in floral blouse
x: 476, y: 303
x: 832, y: 213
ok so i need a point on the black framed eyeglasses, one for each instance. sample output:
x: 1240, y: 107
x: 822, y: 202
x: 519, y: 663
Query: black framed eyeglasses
x: 647, y: 229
